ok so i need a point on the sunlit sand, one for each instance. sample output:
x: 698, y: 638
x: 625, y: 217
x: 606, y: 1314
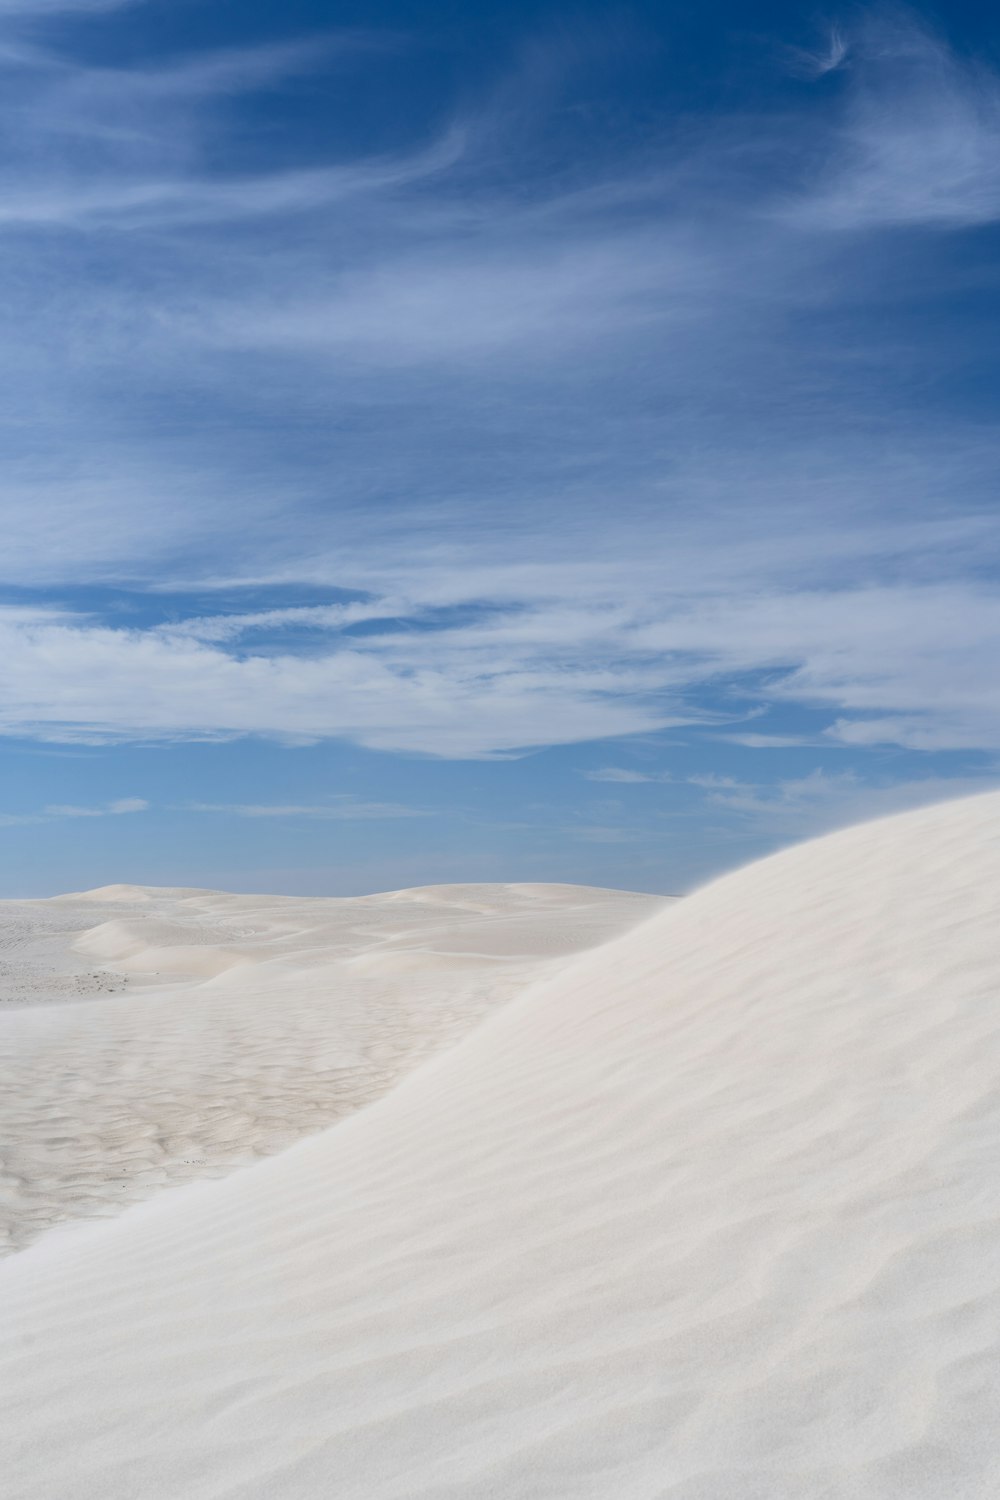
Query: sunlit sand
x: 708, y: 1212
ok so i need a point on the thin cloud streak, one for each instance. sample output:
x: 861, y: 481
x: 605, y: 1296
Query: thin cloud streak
x: 826, y: 60
x: 315, y: 812
x: 56, y: 812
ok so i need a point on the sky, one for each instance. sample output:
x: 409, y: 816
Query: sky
x: 498, y: 442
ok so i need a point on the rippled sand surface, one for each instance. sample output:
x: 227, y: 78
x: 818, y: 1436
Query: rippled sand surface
x: 711, y: 1213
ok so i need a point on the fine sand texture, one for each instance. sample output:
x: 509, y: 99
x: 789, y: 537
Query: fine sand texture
x: 713, y: 1213
x: 211, y: 1030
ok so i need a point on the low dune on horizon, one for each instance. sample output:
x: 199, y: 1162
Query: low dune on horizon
x: 215, y: 1029
x: 512, y: 1192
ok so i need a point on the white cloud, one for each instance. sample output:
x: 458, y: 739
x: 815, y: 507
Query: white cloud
x: 920, y: 143
x: 103, y: 684
x: 908, y: 664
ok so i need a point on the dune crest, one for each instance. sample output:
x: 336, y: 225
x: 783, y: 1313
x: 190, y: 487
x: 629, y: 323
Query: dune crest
x: 712, y: 1214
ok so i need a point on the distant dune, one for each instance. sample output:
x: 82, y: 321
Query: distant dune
x: 235, y: 1025
x: 710, y: 1212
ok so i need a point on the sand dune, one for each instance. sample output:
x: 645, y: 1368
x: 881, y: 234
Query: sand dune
x: 711, y: 1214
x: 243, y: 1022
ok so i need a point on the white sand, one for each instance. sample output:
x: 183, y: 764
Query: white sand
x: 247, y: 1022
x: 713, y: 1214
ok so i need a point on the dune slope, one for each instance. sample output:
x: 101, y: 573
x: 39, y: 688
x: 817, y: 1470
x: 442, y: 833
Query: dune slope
x: 713, y: 1214
x: 236, y: 1025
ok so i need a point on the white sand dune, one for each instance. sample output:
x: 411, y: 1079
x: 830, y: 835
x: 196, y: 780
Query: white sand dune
x: 242, y: 1022
x: 712, y: 1214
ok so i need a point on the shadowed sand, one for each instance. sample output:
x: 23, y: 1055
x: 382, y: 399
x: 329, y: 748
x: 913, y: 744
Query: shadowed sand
x: 246, y: 1022
x: 713, y: 1213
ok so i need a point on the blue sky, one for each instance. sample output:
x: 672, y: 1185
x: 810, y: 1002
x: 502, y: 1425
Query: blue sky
x: 507, y: 442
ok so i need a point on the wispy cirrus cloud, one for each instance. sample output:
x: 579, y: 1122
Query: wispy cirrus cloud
x: 56, y: 812
x: 572, y: 427
x: 771, y: 741
x: 93, y: 146
x: 163, y: 201
x: 114, y: 809
x: 919, y: 139
x: 817, y: 62
x: 545, y: 296
x: 788, y: 807
x: 800, y: 807
x: 623, y: 776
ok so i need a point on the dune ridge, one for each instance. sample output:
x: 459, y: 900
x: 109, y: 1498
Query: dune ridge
x: 711, y: 1214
